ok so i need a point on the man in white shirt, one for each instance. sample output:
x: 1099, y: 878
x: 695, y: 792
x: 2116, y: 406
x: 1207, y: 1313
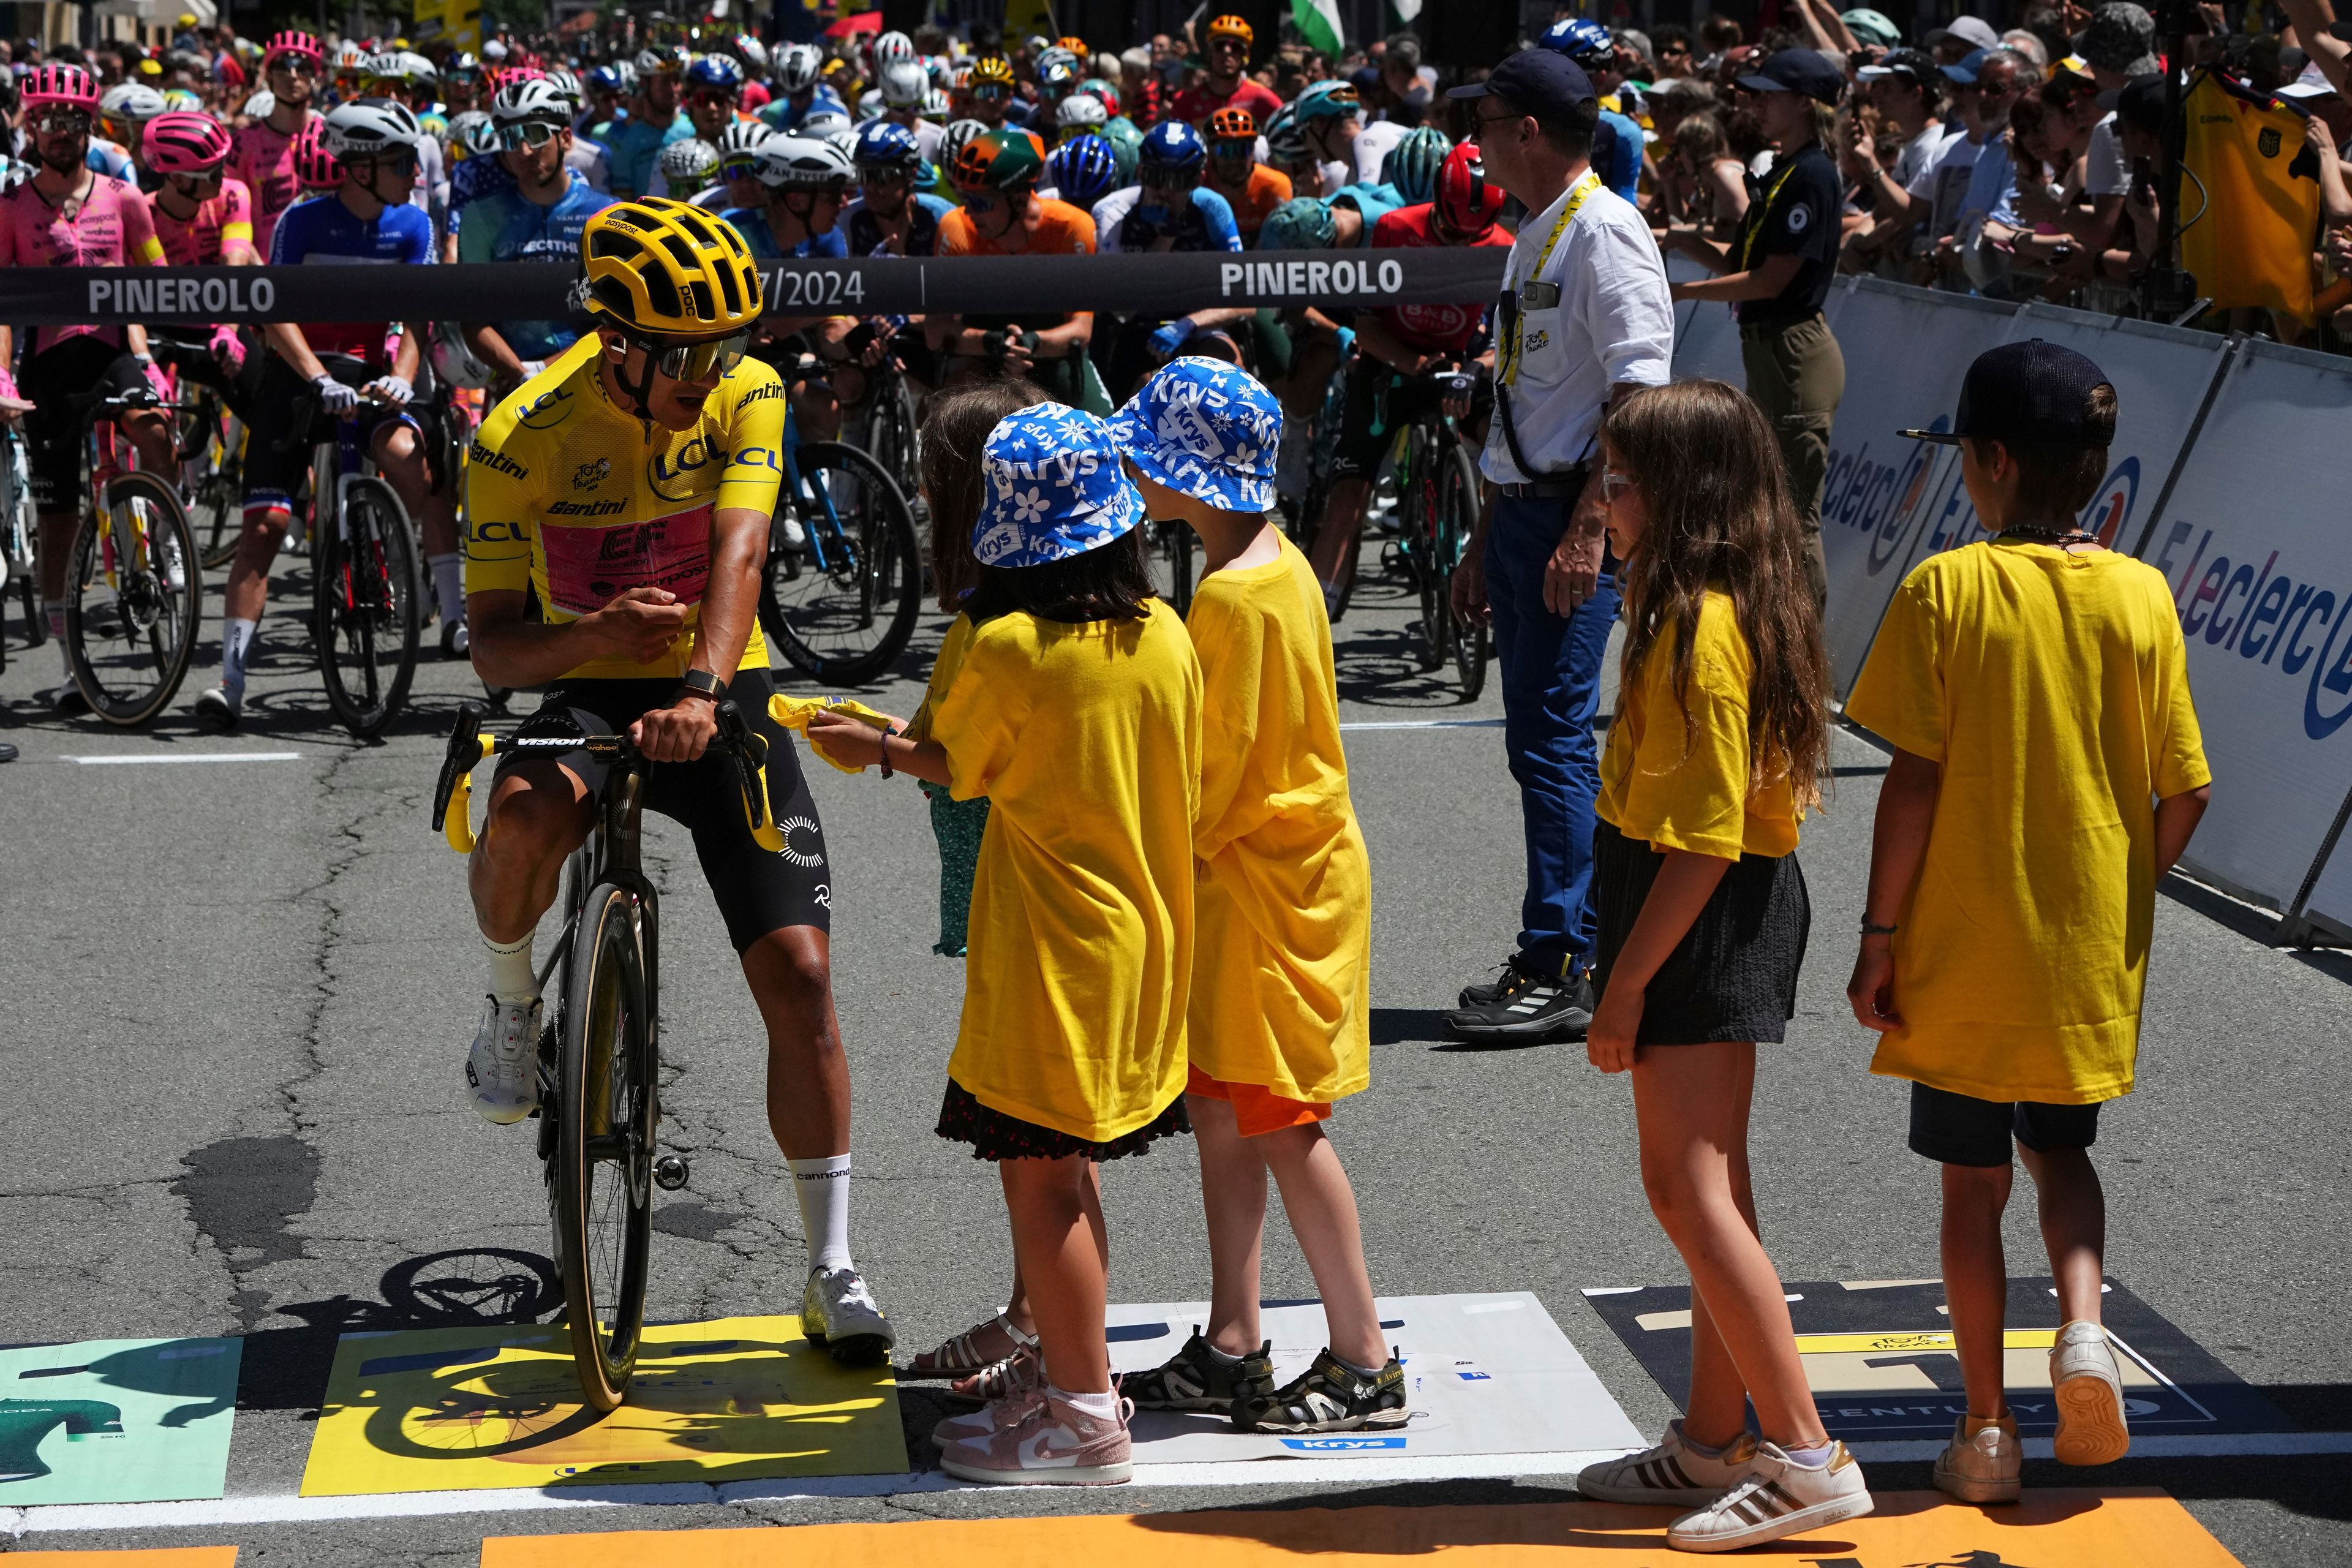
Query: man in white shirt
x: 1585, y: 317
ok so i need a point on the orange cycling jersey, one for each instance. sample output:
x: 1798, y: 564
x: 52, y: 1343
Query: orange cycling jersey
x: 577, y: 501
x: 1266, y: 190
x: 1062, y: 230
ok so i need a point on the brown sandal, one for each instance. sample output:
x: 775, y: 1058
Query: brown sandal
x: 975, y: 1350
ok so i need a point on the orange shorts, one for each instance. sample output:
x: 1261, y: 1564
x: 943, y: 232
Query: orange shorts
x: 1256, y: 1109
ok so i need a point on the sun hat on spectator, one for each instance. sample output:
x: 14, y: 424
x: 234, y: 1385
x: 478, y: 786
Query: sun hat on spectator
x: 1974, y: 31
x: 1872, y: 27
x: 1205, y: 430
x: 1056, y: 489
x: 2121, y: 38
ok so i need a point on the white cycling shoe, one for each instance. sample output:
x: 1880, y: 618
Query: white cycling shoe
x: 839, y: 1312
x: 502, y: 1070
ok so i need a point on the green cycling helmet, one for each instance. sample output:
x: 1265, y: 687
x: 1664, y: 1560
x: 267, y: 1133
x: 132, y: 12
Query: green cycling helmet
x: 1412, y: 163
x: 1301, y: 222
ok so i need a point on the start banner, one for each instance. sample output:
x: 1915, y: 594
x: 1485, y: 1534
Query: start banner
x: 996, y: 285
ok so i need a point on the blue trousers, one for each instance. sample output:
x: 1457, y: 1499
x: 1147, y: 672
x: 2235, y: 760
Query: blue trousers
x: 1550, y: 667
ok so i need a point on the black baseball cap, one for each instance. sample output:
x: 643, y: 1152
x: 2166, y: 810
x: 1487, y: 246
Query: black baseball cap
x: 1911, y: 65
x: 1536, y: 81
x: 2032, y: 391
x: 1806, y: 71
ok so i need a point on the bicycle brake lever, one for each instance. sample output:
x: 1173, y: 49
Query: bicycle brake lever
x: 752, y: 762
x: 468, y: 746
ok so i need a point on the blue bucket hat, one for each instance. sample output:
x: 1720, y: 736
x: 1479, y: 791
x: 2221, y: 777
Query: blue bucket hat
x: 1055, y: 488
x: 1205, y: 430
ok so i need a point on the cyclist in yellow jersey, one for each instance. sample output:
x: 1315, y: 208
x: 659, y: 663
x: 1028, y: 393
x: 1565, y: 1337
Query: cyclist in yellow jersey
x: 618, y: 507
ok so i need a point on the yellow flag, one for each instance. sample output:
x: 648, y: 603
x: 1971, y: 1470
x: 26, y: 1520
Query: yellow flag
x: 457, y: 23
x: 2249, y: 219
x: 1029, y: 18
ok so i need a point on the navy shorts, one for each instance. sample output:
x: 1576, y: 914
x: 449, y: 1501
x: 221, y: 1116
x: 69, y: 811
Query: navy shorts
x: 1960, y: 1129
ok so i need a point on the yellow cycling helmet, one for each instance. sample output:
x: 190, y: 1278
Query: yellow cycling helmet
x: 662, y: 269
x: 992, y: 71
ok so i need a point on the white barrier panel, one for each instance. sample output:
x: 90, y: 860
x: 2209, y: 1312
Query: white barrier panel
x: 2256, y: 548
x: 1706, y: 340
x: 2331, y: 900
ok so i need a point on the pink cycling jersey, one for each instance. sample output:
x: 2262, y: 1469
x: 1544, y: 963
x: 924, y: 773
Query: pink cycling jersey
x: 224, y: 221
x: 263, y: 157
x: 108, y: 226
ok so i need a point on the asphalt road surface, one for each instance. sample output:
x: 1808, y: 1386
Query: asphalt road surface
x: 237, y: 997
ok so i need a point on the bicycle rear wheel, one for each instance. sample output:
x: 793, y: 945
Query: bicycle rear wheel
x: 1417, y: 499
x: 364, y: 602
x: 606, y: 1110
x: 134, y: 599
x: 842, y: 606
x: 1466, y: 637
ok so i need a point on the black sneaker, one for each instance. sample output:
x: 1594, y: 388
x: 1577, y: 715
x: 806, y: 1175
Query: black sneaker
x: 1489, y: 990
x: 1329, y: 1396
x: 1528, y: 1008
x: 1199, y: 1378
x: 66, y: 702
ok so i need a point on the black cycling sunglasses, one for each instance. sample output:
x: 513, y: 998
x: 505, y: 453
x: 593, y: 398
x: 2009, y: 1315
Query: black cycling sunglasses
x: 739, y: 169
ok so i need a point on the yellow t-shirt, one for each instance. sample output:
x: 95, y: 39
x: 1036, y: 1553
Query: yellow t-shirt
x: 1283, y: 922
x: 570, y: 497
x: 2052, y: 689
x: 1688, y: 788
x: 953, y: 647
x: 1087, y: 741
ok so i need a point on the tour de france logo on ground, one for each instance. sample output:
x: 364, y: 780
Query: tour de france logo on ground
x: 1879, y: 1357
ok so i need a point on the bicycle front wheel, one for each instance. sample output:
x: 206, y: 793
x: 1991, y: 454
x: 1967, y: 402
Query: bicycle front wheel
x: 606, y: 1108
x: 134, y: 600
x: 363, y: 598
x: 1457, y: 524
x: 842, y: 605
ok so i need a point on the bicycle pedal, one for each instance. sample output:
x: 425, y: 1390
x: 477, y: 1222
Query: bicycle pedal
x: 671, y: 1172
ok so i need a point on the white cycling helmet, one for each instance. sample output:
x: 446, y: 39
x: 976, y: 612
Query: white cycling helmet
x: 936, y: 106
x: 133, y: 100
x: 568, y: 84
x: 797, y: 67
x: 535, y: 98
x: 688, y: 165
x: 904, y: 83
x: 494, y: 50
x: 823, y: 123
x: 752, y: 52
x: 366, y: 127
x: 404, y: 66
x: 870, y: 105
x: 743, y: 136
x: 804, y: 162
x: 463, y: 126
x: 454, y: 360
x: 892, y: 47
x: 1081, y: 111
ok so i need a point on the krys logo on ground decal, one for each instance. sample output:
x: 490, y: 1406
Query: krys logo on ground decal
x: 2262, y: 608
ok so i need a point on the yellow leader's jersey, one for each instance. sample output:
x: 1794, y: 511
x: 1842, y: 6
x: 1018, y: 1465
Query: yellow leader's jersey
x: 568, y: 497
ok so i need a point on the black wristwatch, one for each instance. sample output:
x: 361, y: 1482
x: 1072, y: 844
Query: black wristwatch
x: 703, y: 683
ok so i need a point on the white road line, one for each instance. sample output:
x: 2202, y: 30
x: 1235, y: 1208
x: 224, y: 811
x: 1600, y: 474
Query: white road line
x: 1428, y: 725
x: 133, y: 757
x: 237, y: 1510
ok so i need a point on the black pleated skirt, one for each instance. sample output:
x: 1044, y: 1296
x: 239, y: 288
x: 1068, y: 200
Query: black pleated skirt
x: 1734, y: 976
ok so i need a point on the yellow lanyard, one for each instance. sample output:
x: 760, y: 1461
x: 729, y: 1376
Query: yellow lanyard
x: 1760, y: 210
x: 1583, y: 188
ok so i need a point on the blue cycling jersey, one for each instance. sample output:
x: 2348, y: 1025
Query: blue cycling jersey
x: 865, y: 230
x: 785, y: 115
x: 323, y: 231
x: 1135, y: 219
x: 635, y: 148
x: 471, y: 181
x: 510, y: 227
x: 1617, y: 153
x: 752, y: 225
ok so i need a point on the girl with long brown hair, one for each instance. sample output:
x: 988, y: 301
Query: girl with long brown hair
x: 1720, y: 736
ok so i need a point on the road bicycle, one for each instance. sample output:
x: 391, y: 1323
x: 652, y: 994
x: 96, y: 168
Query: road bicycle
x: 134, y: 593
x: 211, y: 476
x: 1437, y: 507
x: 599, y: 1061
x: 840, y: 601
x: 365, y: 614
x: 20, y: 533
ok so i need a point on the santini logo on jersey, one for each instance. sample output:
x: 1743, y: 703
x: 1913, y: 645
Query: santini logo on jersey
x: 583, y: 508
x: 499, y: 461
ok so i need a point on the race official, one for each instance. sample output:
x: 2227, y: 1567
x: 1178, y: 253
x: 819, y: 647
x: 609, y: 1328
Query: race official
x: 1585, y: 316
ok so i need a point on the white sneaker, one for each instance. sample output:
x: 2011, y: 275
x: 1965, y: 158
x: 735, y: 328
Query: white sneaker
x: 1672, y: 1472
x: 789, y: 533
x: 502, y: 1070
x: 2090, y: 1388
x: 839, y: 1311
x: 1775, y: 1497
x: 1981, y: 1466
x: 218, y: 707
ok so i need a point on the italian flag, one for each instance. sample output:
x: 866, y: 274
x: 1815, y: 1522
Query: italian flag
x: 1319, y: 21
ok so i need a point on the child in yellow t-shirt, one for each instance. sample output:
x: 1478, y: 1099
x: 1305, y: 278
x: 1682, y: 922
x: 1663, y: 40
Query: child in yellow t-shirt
x: 1279, y: 1024
x: 1077, y: 711
x: 1720, y: 732
x: 2035, y: 688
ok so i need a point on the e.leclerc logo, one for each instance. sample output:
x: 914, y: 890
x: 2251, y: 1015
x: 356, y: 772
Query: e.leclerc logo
x: 2263, y: 612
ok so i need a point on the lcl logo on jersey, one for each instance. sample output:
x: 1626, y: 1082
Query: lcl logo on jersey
x: 676, y: 475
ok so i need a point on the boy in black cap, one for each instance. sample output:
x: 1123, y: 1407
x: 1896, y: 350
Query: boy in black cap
x: 2035, y: 688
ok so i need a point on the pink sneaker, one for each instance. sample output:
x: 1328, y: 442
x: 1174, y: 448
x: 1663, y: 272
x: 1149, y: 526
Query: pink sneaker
x: 1016, y: 1384
x: 1054, y: 1444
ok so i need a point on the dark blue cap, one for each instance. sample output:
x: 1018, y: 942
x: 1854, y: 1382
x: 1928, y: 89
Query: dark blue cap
x: 1964, y: 70
x: 1536, y: 81
x: 2032, y: 391
x: 1806, y: 71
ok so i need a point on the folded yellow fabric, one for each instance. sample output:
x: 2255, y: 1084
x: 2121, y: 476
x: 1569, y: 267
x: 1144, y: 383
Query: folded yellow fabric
x: 794, y: 713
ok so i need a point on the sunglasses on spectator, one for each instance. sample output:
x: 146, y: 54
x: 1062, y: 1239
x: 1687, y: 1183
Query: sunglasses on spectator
x: 532, y: 134
x: 1611, y: 481
x: 696, y: 362
x: 1673, y: 49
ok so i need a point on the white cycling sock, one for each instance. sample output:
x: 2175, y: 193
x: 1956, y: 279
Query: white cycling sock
x: 1103, y: 1407
x: 822, y: 1188
x: 236, y: 641
x: 449, y: 585
x: 512, y: 978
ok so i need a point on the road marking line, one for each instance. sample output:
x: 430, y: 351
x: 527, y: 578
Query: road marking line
x: 185, y: 757
x: 1427, y: 724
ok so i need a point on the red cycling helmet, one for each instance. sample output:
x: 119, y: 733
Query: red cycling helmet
x: 314, y: 166
x: 185, y: 143
x: 1467, y: 204
x: 63, y: 86
x: 292, y: 42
